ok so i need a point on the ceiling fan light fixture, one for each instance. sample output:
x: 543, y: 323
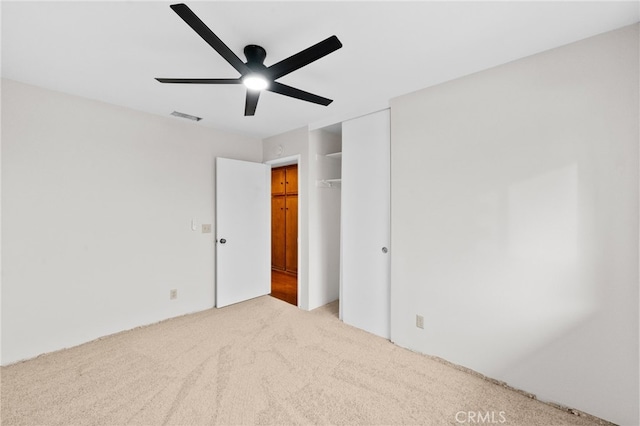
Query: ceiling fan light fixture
x: 255, y: 81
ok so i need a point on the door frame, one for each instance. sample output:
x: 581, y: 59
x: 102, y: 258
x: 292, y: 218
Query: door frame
x: 287, y: 161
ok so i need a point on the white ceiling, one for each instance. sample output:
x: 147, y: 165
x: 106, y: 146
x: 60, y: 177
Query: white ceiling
x: 111, y: 51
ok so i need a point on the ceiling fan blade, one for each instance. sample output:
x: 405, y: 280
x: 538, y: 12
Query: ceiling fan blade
x: 304, y: 57
x: 200, y: 80
x: 251, y: 103
x: 283, y: 89
x: 203, y: 31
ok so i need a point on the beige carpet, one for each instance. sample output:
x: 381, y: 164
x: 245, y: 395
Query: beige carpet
x: 258, y: 362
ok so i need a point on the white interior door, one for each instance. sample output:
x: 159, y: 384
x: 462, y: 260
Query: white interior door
x: 365, y: 281
x: 243, y: 231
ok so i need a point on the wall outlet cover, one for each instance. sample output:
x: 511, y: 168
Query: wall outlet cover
x: 173, y: 294
x: 206, y: 228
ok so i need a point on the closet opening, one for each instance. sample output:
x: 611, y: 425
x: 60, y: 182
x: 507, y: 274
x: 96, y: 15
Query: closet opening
x: 284, y: 233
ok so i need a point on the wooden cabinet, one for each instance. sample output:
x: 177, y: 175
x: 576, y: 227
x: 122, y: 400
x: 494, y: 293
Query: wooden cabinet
x: 284, y: 180
x: 284, y: 218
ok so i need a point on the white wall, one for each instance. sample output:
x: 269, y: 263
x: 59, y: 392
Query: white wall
x: 515, y: 223
x: 296, y: 142
x: 324, y: 219
x: 96, y: 226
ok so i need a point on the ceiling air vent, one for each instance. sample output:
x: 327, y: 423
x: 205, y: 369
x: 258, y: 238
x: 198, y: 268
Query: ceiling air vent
x: 187, y: 116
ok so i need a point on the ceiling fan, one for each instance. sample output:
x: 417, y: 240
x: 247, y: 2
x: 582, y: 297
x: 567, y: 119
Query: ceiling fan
x: 253, y: 73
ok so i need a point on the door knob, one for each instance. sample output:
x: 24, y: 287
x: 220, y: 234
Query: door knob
x: 384, y: 249
x: 222, y: 241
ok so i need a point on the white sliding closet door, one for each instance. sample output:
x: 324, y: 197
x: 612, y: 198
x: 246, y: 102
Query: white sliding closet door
x: 365, y: 280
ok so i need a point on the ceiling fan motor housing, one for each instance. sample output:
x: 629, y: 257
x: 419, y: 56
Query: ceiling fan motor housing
x: 255, y: 56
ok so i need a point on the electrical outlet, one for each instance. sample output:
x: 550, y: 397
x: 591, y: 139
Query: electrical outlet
x: 420, y: 321
x: 206, y: 228
x: 173, y: 294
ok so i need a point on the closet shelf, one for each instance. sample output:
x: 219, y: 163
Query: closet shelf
x: 329, y: 183
x: 333, y: 155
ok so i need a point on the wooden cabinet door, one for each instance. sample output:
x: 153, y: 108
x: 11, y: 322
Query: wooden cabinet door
x: 278, y: 243
x: 291, y: 180
x: 277, y: 181
x: 291, y: 260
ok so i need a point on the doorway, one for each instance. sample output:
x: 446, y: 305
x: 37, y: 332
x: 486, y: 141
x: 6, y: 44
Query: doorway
x: 284, y: 233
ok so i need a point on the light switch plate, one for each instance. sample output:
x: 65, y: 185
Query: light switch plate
x: 206, y: 228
